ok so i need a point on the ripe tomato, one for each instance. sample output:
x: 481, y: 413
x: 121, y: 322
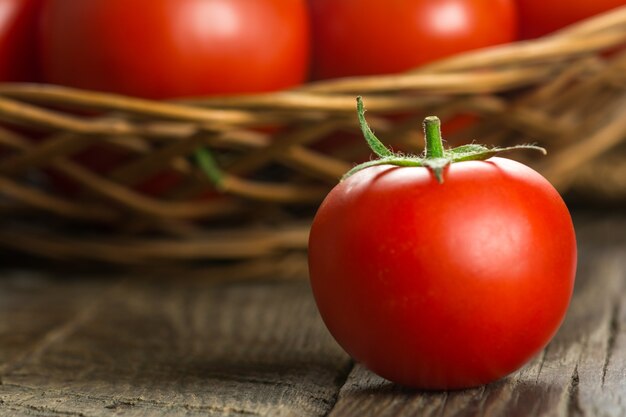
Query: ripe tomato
x: 538, y: 17
x: 443, y: 285
x: 363, y: 37
x: 171, y: 48
x: 18, y: 19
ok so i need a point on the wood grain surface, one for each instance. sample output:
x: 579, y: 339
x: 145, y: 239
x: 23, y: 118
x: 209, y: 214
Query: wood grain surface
x: 195, y: 346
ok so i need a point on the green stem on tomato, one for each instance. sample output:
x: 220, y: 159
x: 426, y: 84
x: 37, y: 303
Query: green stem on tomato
x: 432, y: 136
x: 436, y: 158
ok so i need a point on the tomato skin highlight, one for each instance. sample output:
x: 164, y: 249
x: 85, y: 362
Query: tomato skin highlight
x: 538, y: 17
x: 173, y: 48
x: 368, y: 37
x: 443, y: 286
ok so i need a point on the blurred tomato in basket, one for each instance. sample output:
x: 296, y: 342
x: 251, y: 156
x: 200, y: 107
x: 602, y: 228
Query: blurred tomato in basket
x: 161, y: 49
x: 540, y: 17
x: 172, y: 48
x: 18, y: 52
x: 366, y: 37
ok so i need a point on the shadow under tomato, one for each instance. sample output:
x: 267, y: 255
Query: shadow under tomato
x: 520, y: 398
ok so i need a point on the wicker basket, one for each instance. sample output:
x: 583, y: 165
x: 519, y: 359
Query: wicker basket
x: 280, y: 153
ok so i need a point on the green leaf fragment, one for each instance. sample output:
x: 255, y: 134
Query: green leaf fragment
x: 206, y: 162
x: 467, y: 149
x: 480, y: 153
x: 395, y: 160
x: 374, y: 143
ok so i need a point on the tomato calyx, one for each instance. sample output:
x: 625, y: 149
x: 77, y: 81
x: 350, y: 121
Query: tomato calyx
x: 435, y: 157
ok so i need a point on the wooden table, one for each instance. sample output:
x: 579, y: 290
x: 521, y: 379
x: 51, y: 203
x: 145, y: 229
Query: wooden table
x: 197, y: 346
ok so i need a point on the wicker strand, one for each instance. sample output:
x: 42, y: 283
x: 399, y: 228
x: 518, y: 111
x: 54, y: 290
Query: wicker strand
x: 224, y: 245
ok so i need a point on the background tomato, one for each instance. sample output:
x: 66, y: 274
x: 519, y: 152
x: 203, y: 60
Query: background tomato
x: 539, y: 17
x: 18, y: 21
x: 171, y: 48
x: 362, y: 37
x: 443, y: 285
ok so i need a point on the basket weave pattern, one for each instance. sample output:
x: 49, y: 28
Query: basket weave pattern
x: 566, y: 92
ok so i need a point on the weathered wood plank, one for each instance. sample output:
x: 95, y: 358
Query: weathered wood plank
x: 37, y: 310
x: 188, y: 348
x: 582, y: 372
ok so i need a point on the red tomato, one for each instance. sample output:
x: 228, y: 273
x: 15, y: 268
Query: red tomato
x: 171, y: 48
x: 18, y: 19
x: 443, y: 286
x: 538, y: 17
x: 363, y: 37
